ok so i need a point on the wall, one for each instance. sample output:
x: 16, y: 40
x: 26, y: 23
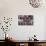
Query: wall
x: 13, y: 8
